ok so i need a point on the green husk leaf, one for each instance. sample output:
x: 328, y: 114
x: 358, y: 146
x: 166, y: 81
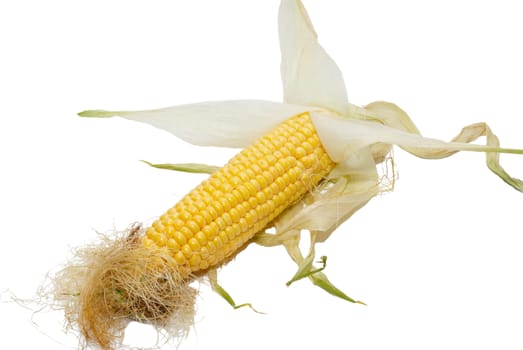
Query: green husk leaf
x: 216, y: 287
x: 320, y: 279
x: 496, y: 168
x: 195, y: 168
x: 307, y: 269
x: 99, y: 113
x: 493, y: 161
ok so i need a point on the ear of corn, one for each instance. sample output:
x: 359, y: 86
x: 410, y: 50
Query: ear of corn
x: 224, y: 212
x: 145, y: 276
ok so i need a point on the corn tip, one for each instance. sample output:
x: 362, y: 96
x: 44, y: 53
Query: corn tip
x: 97, y: 113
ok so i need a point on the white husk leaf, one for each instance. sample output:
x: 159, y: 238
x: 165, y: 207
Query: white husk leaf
x: 309, y: 75
x: 219, y: 123
x: 342, y: 137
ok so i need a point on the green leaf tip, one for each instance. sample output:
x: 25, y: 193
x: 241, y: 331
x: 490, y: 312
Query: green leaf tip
x: 307, y: 270
x: 225, y: 295
x: 97, y: 113
x: 217, y: 288
x: 318, y: 278
x: 185, y: 167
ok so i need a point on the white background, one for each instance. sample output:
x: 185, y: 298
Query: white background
x: 438, y: 261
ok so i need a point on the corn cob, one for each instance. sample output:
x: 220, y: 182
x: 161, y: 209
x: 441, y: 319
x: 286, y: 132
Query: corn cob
x: 219, y: 216
x: 145, y: 276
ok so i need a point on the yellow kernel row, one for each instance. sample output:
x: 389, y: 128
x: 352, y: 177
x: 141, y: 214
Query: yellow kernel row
x: 225, y: 211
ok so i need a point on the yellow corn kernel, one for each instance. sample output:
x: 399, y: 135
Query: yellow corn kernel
x: 225, y: 211
x: 172, y: 244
